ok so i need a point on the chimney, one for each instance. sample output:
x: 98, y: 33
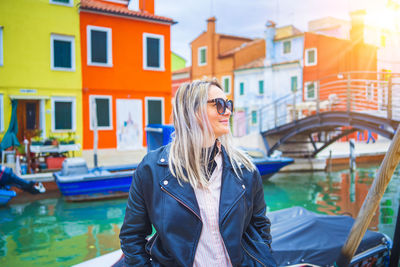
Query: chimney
x: 357, y: 26
x: 269, y: 42
x: 211, y: 25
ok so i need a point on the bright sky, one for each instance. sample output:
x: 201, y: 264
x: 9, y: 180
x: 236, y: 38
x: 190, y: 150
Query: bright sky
x: 248, y: 18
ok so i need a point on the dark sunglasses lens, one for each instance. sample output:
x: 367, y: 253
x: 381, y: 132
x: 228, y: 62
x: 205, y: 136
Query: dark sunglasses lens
x: 220, y: 105
x: 229, y: 104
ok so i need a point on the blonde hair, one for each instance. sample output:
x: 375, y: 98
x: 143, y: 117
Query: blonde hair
x: 192, y: 131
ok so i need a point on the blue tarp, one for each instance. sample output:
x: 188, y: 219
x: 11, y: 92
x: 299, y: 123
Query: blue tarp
x: 158, y: 135
x: 10, y: 138
x: 300, y: 236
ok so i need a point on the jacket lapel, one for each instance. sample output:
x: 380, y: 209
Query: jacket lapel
x: 232, y: 188
x: 183, y: 193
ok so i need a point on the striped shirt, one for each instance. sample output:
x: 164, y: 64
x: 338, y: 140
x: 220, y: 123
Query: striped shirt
x: 211, y: 249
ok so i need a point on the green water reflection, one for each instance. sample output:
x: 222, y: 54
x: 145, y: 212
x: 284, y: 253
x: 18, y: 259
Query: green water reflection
x: 52, y: 232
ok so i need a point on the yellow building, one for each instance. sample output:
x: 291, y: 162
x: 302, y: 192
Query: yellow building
x: 40, y: 67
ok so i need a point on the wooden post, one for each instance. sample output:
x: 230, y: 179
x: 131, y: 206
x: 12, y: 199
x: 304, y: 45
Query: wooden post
x: 389, y: 106
x: 371, y: 202
x: 318, y: 100
x: 348, y: 97
x: 352, y: 155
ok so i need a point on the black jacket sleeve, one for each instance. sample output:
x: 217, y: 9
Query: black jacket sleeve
x: 259, y: 220
x: 136, y: 226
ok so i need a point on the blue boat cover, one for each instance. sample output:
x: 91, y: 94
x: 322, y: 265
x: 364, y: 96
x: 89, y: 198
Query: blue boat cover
x: 300, y: 236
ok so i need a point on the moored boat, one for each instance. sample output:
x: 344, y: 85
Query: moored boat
x: 79, y: 183
x: 304, y: 238
x: 6, y: 195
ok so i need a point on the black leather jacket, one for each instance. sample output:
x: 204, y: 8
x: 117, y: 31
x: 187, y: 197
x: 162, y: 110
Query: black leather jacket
x: 156, y: 198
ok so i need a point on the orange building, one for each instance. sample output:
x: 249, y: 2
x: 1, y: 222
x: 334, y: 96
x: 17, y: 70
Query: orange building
x: 126, y: 71
x: 332, y: 61
x: 218, y: 55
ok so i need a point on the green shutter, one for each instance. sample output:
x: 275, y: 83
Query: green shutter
x: 310, y: 91
x: 226, y: 85
x: 287, y: 45
x: 202, y: 56
x: 63, y: 115
x: 293, y: 82
x: 98, y: 46
x: 311, y: 56
x: 103, y: 112
x: 261, y: 87
x: 62, y: 54
x: 241, y: 91
x: 153, y: 52
x: 62, y: 1
x: 154, y: 111
x: 254, y: 116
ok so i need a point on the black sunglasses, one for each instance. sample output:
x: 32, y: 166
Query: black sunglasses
x: 221, y: 105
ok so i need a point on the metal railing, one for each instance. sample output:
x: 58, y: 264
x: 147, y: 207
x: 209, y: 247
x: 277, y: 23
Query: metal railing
x: 374, y: 93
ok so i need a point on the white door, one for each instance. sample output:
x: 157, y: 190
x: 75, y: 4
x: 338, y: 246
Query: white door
x: 129, y: 124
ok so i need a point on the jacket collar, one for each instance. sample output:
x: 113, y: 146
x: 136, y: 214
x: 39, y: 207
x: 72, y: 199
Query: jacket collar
x: 232, y: 188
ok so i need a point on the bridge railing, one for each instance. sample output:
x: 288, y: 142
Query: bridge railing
x: 375, y: 93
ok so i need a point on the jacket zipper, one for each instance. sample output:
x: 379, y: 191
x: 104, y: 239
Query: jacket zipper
x: 155, y: 239
x: 252, y: 255
x: 163, y: 189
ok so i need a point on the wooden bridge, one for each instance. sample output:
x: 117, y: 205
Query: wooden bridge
x: 331, y: 109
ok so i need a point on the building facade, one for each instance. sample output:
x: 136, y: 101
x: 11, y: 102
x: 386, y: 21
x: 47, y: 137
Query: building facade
x: 40, y: 67
x: 126, y: 71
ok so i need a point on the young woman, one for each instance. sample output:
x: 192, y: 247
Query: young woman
x: 203, y: 197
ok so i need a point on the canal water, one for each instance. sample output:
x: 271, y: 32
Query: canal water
x: 53, y: 232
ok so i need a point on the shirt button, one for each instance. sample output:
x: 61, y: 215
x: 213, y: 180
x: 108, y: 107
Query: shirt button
x: 165, y: 182
x: 243, y: 186
x: 162, y: 160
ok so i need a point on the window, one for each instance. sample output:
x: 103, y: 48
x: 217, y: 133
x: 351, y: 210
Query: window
x: 103, y: 111
x: 1, y: 46
x: 133, y: 5
x: 1, y: 113
x: 62, y: 52
x: 63, y: 117
x: 311, y: 57
x: 99, y: 46
x: 154, y: 110
x: 153, y: 52
x: 311, y: 90
x: 241, y: 88
x: 287, y: 47
x: 254, y: 117
x: 62, y: 2
x: 261, y: 87
x: 293, y: 83
x: 202, y: 56
x: 226, y: 81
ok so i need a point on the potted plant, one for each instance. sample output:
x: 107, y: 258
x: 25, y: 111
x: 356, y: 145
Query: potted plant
x: 70, y: 138
x: 37, y: 139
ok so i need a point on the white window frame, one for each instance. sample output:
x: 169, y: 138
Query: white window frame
x: 155, y: 36
x: 53, y: 115
x: 2, y: 112
x: 110, y: 105
x: 146, y: 100
x: 230, y: 83
x: 199, y: 55
x: 1, y: 47
x: 89, y: 29
x: 70, y: 39
x: 283, y: 47
x: 306, y: 90
x: 307, y: 63
x: 133, y: 5
x: 71, y: 3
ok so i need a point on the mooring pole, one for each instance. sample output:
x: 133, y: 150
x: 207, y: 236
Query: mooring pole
x: 371, y: 202
x: 352, y: 155
x: 394, y: 256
